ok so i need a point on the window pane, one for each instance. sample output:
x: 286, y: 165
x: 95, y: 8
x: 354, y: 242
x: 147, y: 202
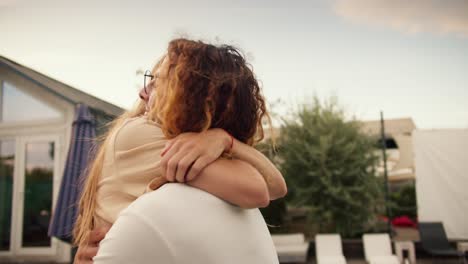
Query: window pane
x: 38, y: 193
x: 20, y: 106
x: 7, y: 163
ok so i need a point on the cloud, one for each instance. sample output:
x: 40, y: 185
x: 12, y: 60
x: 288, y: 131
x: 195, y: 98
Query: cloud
x: 409, y: 16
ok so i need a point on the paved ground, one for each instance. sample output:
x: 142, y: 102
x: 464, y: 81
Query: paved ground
x: 401, y: 234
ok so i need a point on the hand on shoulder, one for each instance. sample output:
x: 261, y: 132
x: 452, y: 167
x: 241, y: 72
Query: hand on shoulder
x: 188, y: 154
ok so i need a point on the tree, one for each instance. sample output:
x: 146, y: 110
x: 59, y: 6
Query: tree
x: 403, y: 201
x: 328, y: 164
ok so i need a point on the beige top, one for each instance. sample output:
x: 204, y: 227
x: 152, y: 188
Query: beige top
x: 131, y: 167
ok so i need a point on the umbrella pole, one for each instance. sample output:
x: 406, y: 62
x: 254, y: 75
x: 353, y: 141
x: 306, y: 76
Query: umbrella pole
x: 384, y: 152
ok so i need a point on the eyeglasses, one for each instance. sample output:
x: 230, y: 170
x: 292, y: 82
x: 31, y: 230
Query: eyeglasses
x: 148, y: 77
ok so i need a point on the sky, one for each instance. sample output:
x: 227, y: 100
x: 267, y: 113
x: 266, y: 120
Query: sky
x: 405, y: 58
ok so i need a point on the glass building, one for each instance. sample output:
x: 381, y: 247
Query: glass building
x: 36, y: 116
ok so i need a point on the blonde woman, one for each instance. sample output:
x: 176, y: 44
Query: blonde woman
x: 200, y: 112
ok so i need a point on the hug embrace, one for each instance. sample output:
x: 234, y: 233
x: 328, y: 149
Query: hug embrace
x: 176, y: 179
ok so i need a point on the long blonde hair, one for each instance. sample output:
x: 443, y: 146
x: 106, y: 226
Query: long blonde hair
x: 87, y: 204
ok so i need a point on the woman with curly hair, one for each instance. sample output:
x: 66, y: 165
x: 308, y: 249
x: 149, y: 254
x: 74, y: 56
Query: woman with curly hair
x: 199, y: 115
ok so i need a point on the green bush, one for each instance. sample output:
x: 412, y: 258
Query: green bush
x: 403, y: 201
x: 328, y: 164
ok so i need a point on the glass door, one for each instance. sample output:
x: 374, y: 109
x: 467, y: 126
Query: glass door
x: 36, y: 177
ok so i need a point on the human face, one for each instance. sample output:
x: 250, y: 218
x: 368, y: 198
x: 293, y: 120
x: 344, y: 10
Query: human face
x: 159, y: 81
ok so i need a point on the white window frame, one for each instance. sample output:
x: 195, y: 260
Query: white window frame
x: 19, y: 208
x: 24, y: 131
x: 10, y: 252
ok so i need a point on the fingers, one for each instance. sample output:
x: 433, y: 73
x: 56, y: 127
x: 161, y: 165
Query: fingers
x: 173, y: 166
x: 87, y: 251
x: 85, y: 254
x: 179, y: 156
x: 80, y: 260
x: 197, y: 167
x: 77, y: 259
x: 97, y: 235
x: 168, y: 156
x: 184, y: 165
x: 188, y: 150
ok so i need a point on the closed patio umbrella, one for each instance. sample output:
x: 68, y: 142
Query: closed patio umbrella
x: 81, y: 145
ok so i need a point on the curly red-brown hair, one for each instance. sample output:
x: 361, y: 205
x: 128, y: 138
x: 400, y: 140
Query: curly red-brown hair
x: 210, y: 87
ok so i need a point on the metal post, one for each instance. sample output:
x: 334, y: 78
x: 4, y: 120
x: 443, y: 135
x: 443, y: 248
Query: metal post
x: 384, y: 152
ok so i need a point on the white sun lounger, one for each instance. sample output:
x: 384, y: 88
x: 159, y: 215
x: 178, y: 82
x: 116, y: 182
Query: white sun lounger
x: 291, y: 247
x: 328, y: 249
x: 378, y: 249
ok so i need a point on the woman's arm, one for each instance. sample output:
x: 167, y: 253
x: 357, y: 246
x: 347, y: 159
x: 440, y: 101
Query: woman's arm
x: 234, y: 181
x: 188, y: 154
x: 273, y: 177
